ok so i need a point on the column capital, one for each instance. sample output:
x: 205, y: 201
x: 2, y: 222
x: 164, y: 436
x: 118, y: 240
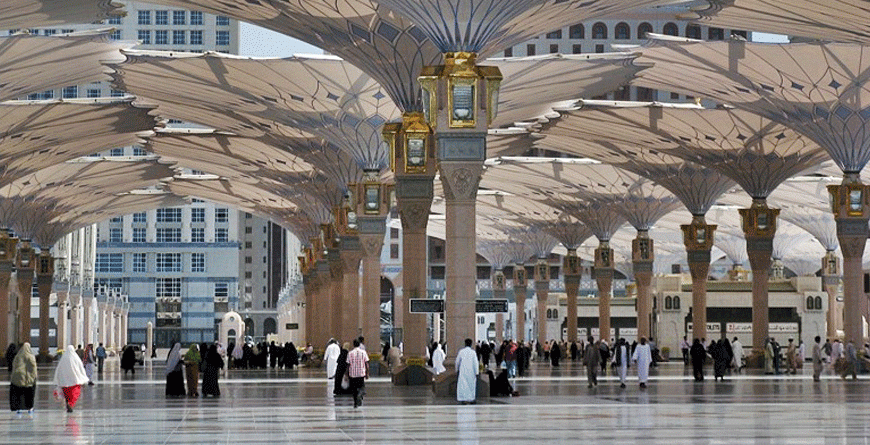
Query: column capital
x: 8, y: 246
x: 25, y: 257
x: 499, y: 282
x: 642, y: 254
x: 372, y: 244
x: 520, y: 279
x: 698, y: 239
x: 461, y: 179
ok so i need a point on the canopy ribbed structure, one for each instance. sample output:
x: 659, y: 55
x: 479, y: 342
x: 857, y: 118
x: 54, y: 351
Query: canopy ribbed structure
x: 38, y: 134
x: 32, y: 64
x: 15, y: 14
x: 826, y: 99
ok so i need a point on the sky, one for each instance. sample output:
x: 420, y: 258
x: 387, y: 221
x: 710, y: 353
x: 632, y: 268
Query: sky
x: 260, y: 42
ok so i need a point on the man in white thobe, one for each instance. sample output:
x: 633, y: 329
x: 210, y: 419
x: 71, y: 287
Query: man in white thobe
x: 620, y: 356
x: 467, y: 369
x: 737, y: 351
x: 643, y: 357
x: 331, y: 358
x: 438, y: 360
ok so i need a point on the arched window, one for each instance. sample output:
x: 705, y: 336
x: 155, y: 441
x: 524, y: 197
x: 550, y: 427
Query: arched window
x: 622, y: 31
x: 819, y: 303
x: 599, y: 31
x: 643, y: 29
x: 676, y: 303
x: 669, y: 303
x: 693, y: 32
x: 549, y: 313
x: 577, y: 31
x: 810, y: 304
x: 671, y: 29
x: 556, y: 314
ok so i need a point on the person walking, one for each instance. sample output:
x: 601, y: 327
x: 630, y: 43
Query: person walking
x: 211, y: 372
x: 643, y: 357
x: 192, y: 360
x: 622, y: 356
x: 555, y: 354
x: 10, y: 356
x: 591, y: 358
x: 438, y: 360
x: 468, y: 368
x: 89, y: 358
x: 684, y: 347
x: 358, y: 371
x: 817, y: 359
x: 174, y: 372
x: 101, y: 357
x: 851, y: 360
x: 698, y: 355
x: 330, y: 356
x: 69, y: 376
x: 22, y: 381
x: 791, y: 357
x: 737, y: 353
x: 128, y: 359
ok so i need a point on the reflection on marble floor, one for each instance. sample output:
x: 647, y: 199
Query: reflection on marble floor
x: 275, y: 406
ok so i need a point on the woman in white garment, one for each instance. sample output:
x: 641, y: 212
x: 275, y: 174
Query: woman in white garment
x: 737, y: 352
x: 438, y: 360
x: 643, y: 357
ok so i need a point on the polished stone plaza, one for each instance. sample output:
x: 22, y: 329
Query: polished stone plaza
x: 555, y: 406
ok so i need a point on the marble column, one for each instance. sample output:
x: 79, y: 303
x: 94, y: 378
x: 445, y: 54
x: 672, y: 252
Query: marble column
x: 460, y: 180
x: 520, y: 289
x: 698, y: 238
x: 87, y: 319
x: 542, y: 292
x: 759, y: 228
x: 351, y: 254
x: 62, y: 307
x: 334, y: 294
x: 44, y: 283
x: 604, y: 281
x: 831, y: 285
x: 850, y: 202
x: 642, y: 257
x: 7, y: 260
x: 24, y: 272
x: 370, y: 314
x: 414, y: 198
x: 75, y: 298
x: 320, y: 313
x: 499, y: 287
x: 571, y: 272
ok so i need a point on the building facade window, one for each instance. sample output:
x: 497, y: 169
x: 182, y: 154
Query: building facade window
x: 115, y: 235
x: 196, y: 18
x: 555, y: 35
x: 179, y: 37
x: 693, y: 31
x: 169, y: 215
x: 168, y: 302
x: 509, y: 52
x: 161, y: 37
x: 222, y: 38
x: 554, y: 48
x: 140, y: 262
x: 167, y: 262
x: 716, y: 34
x: 179, y: 17
x: 93, y: 93
x: 139, y: 217
x: 671, y: 29
x: 221, y: 215
x: 221, y: 235
x: 144, y: 17
x: 161, y: 17
x: 531, y: 50
x: 221, y: 297
x: 70, y: 92
x: 643, y: 29
x: 577, y: 31
x: 115, y: 20
x: 622, y: 31
x: 197, y: 235
x: 197, y: 215
x: 599, y: 31
x: 196, y: 37
x: 109, y: 262
x: 197, y: 262
x: 168, y: 235
x: 222, y: 20
x: 576, y: 49
x: 144, y: 36
x: 138, y: 234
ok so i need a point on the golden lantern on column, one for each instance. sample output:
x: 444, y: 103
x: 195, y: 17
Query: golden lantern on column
x: 464, y: 87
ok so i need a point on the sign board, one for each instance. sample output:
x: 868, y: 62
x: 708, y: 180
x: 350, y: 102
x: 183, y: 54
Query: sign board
x: 782, y: 327
x: 426, y: 306
x: 581, y: 333
x: 628, y: 332
x: 595, y: 332
x: 291, y: 326
x: 711, y: 327
x: 773, y: 328
x: 738, y: 328
x: 491, y: 306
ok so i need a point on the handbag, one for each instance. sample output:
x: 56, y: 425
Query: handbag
x: 345, y: 381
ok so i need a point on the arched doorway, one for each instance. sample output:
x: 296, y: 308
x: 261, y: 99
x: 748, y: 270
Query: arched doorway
x: 388, y: 292
x: 249, y: 328
x: 270, y: 326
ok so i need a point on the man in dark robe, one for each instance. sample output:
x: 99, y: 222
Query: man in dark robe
x: 485, y: 352
x: 555, y: 354
x: 573, y: 351
x: 522, y: 356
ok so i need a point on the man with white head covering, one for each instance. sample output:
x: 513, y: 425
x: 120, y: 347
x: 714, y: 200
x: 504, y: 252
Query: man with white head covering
x: 438, y: 360
x: 70, y: 376
x: 467, y: 367
x: 643, y: 357
x: 22, y: 380
x: 737, y: 352
x: 331, y: 357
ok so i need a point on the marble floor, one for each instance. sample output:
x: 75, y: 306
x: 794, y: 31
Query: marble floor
x: 555, y: 406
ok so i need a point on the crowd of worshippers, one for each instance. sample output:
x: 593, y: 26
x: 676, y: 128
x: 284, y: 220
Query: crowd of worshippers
x: 262, y: 355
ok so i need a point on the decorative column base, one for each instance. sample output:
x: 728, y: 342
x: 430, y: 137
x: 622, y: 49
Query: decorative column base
x: 642, y: 255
